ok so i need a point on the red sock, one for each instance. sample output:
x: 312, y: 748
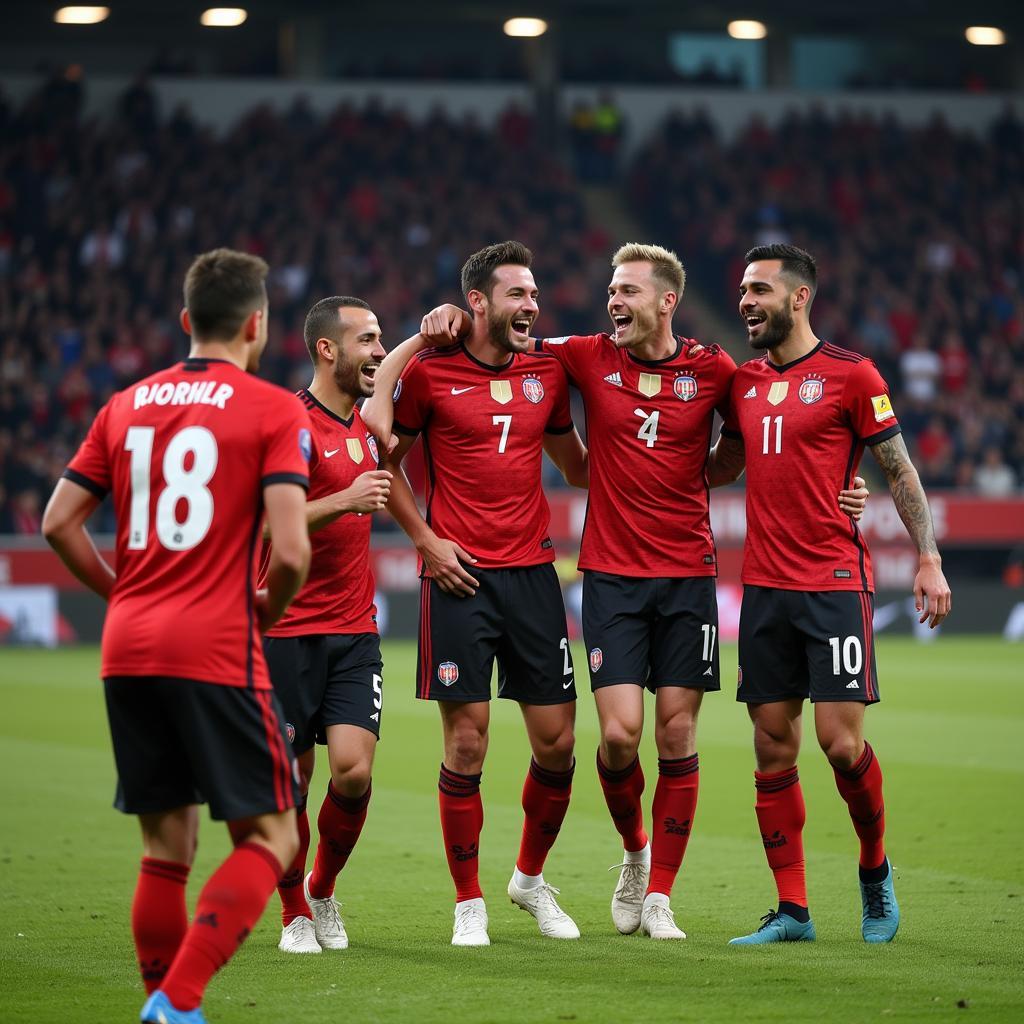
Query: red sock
x: 622, y: 792
x: 545, y: 801
x: 861, y: 788
x: 340, y: 821
x: 675, y: 801
x: 229, y: 906
x: 780, y: 816
x: 293, y: 899
x: 462, y: 819
x: 159, y: 917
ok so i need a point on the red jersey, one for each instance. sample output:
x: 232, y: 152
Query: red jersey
x: 483, y: 435
x: 648, y: 434
x: 804, y: 427
x: 338, y: 594
x: 186, y: 454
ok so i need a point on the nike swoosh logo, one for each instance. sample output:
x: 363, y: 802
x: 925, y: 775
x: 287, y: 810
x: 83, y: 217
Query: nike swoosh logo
x: 328, y: 454
x: 565, y: 686
x: 462, y: 391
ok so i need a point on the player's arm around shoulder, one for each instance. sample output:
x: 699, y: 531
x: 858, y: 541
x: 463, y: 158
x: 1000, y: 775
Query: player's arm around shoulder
x: 570, y: 455
x: 378, y: 411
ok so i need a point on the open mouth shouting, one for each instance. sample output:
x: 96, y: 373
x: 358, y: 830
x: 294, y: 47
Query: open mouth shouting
x: 755, y: 322
x: 519, y: 327
x: 622, y: 323
x: 367, y: 373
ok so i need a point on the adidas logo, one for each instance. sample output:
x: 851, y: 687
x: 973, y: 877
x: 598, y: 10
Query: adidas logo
x: 614, y: 378
x: 853, y: 685
x: 710, y: 670
x: 752, y: 393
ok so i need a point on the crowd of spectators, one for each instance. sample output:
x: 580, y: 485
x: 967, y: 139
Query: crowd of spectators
x: 98, y: 223
x: 919, y: 237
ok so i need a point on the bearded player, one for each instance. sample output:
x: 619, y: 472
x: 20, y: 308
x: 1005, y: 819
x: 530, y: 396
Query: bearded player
x: 802, y: 415
x: 487, y: 408
x: 324, y: 654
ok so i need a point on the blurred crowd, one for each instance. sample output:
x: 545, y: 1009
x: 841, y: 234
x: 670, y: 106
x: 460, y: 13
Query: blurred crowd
x: 919, y: 237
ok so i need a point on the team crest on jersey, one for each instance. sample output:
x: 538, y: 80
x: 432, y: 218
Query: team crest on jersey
x: 685, y: 387
x: 291, y: 732
x: 596, y: 659
x: 397, y: 391
x: 448, y: 672
x: 371, y: 443
x: 533, y: 389
x: 811, y: 389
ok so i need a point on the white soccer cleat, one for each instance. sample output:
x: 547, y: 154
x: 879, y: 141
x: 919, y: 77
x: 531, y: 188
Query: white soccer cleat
x: 327, y: 922
x: 299, y: 937
x: 539, y: 901
x: 628, y: 898
x: 470, y: 924
x: 657, y: 919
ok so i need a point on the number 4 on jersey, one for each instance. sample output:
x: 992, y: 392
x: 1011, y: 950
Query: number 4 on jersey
x: 649, y: 428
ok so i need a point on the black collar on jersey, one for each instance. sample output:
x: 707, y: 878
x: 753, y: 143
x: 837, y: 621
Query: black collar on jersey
x: 309, y: 396
x: 487, y: 366
x: 658, y: 362
x: 196, y: 364
x: 787, y: 366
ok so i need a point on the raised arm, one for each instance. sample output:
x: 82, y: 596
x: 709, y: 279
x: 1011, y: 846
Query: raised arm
x: 568, y: 453
x: 64, y: 520
x: 378, y: 411
x: 931, y: 592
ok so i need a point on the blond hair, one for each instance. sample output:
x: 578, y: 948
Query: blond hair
x: 665, y: 265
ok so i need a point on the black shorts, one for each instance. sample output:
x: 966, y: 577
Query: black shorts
x: 180, y: 742
x: 799, y: 643
x: 517, y: 617
x: 326, y: 680
x: 653, y: 632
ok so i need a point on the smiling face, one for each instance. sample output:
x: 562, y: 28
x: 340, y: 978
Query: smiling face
x: 510, y: 309
x: 637, y: 303
x: 358, y: 352
x: 767, y: 303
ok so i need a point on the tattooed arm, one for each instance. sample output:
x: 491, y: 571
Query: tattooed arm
x: 931, y: 592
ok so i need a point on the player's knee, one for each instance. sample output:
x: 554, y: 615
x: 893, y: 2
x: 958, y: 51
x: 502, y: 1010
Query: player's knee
x: 842, y: 749
x: 620, y: 743
x: 464, y: 751
x: 555, y: 753
x: 352, y: 780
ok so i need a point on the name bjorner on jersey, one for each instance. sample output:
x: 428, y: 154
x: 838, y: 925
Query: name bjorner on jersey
x: 202, y: 392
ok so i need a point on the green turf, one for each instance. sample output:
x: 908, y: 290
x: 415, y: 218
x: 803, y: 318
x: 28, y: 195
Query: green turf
x: 947, y: 735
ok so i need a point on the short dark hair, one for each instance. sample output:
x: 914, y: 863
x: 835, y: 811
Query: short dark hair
x: 322, y: 320
x: 222, y: 288
x: 796, y: 262
x: 478, y: 270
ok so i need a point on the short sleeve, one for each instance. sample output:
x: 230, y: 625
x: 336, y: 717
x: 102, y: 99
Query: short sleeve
x: 412, y: 399
x: 288, y: 443
x: 867, y: 405
x: 560, y: 420
x: 571, y: 352
x: 90, y: 468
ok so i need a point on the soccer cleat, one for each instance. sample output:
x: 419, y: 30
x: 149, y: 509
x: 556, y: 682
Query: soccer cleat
x: 881, y: 911
x: 628, y: 898
x: 327, y: 923
x: 470, y: 924
x: 159, y: 1010
x: 539, y: 901
x: 777, y: 928
x: 657, y: 919
x: 299, y: 937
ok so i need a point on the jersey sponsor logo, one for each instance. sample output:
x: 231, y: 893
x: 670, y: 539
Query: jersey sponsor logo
x: 777, y: 392
x: 752, y: 393
x: 533, y: 390
x: 330, y: 454
x: 615, y: 378
x: 305, y: 443
x: 371, y: 443
x: 596, y: 659
x: 685, y: 387
x: 649, y: 384
x: 448, y: 672
x: 501, y: 391
x: 355, y: 450
x: 462, y: 391
x: 398, y: 390
x: 883, y: 408
x: 811, y: 390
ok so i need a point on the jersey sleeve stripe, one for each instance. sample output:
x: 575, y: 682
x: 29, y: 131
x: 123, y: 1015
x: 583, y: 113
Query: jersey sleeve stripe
x: 402, y: 429
x: 559, y: 430
x: 83, y: 481
x: 882, y: 435
x: 286, y: 478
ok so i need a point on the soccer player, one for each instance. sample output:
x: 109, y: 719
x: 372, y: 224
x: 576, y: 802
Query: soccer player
x: 324, y: 654
x: 486, y: 408
x: 194, y: 456
x: 650, y: 617
x: 802, y: 415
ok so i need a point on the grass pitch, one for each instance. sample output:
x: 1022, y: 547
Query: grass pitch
x: 948, y: 735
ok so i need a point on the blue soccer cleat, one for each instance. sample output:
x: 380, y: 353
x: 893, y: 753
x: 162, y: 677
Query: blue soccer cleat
x: 777, y: 927
x: 881, y: 911
x: 160, y: 1010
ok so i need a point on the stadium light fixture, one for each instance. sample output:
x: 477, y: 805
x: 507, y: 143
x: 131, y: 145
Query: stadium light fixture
x: 81, y: 15
x: 223, y: 17
x: 985, y: 35
x: 526, y: 28
x: 747, y: 29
